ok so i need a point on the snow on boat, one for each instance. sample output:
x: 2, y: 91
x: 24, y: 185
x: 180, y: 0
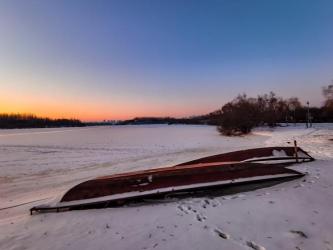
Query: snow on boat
x: 233, y: 168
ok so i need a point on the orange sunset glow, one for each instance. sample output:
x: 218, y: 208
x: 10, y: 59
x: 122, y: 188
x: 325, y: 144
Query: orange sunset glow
x: 125, y: 64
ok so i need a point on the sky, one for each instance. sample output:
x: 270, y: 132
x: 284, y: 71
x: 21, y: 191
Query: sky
x: 102, y: 60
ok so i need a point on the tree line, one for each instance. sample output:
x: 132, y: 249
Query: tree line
x: 9, y: 121
x: 195, y: 120
x: 236, y: 117
x: 244, y: 113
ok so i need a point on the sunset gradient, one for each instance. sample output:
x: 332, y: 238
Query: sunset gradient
x: 97, y: 60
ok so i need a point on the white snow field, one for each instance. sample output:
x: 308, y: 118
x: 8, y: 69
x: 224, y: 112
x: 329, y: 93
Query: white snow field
x: 37, y: 165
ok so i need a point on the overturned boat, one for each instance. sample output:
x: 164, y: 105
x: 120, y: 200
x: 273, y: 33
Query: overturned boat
x: 217, y: 171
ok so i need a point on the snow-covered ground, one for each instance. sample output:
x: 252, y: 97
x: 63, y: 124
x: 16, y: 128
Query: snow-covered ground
x: 37, y: 165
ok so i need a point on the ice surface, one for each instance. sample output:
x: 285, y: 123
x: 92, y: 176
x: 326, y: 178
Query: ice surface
x: 38, y: 164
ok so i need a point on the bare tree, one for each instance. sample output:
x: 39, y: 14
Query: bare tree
x: 328, y: 94
x: 293, y: 105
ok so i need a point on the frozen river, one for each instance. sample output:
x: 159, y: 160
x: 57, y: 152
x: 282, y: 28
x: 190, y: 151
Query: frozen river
x: 39, y: 164
x: 34, y: 160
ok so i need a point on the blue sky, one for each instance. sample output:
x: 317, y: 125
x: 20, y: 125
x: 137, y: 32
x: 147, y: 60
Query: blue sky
x: 118, y: 59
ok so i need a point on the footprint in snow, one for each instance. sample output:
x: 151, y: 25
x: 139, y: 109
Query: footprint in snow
x: 226, y: 236
x: 221, y: 234
x: 299, y: 233
x: 215, y: 203
x: 254, y: 245
x: 207, y: 201
x: 182, y: 209
x: 238, y: 196
x: 200, y: 217
x: 189, y: 208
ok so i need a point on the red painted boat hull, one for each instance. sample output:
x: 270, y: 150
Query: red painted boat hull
x: 258, y: 164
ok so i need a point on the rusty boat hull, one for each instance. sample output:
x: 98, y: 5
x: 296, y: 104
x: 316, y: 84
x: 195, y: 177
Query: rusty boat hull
x: 217, y: 171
